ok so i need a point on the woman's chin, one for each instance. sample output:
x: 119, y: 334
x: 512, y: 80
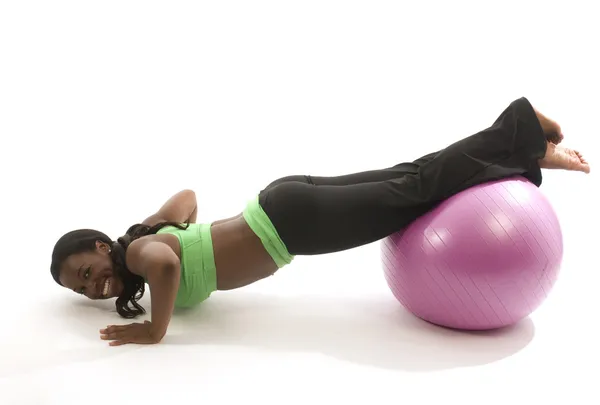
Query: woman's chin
x: 117, y: 290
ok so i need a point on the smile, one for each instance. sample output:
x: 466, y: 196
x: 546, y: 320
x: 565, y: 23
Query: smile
x: 106, y: 288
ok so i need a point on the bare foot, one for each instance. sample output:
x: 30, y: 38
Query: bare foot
x: 559, y: 157
x: 551, y: 128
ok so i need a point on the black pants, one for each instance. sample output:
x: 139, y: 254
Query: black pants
x: 316, y: 215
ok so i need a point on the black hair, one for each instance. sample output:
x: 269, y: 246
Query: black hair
x: 83, y: 240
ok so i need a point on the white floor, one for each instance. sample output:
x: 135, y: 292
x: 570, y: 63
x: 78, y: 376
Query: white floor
x: 107, y: 108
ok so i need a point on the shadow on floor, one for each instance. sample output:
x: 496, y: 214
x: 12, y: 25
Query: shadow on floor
x: 374, y: 332
x: 371, y: 331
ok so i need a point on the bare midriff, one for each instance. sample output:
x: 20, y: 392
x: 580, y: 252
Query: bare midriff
x: 240, y: 257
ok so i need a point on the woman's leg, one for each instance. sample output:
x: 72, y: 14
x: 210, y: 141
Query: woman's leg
x: 368, y: 176
x: 316, y: 219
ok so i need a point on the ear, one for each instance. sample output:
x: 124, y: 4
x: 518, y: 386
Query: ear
x: 102, y: 247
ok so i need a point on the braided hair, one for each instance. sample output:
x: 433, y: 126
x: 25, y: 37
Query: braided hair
x: 83, y: 240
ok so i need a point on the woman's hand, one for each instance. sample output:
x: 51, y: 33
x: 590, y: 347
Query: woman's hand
x: 140, y: 333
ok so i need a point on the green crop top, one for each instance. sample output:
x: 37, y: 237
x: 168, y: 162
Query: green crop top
x: 198, y: 270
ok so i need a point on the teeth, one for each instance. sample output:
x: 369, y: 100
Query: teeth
x: 106, y: 287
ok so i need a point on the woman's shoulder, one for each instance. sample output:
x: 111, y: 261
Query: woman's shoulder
x: 149, y: 252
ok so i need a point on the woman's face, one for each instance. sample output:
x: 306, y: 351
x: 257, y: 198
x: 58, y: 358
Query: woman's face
x: 92, y: 274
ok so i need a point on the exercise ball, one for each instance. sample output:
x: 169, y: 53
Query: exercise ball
x: 483, y: 259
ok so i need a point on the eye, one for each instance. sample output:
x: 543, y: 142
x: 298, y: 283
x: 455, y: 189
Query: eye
x: 86, y: 275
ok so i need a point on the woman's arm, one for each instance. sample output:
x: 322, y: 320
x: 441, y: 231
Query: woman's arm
x: 160, y: 266
x: 181, y: 208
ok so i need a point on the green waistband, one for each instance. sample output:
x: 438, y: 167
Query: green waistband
x: 262, y: 226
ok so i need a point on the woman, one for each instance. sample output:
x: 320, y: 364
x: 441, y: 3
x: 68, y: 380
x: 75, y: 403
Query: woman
x: 183, y: 262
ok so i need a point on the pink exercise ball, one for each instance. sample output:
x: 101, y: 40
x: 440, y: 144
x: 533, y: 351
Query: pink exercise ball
x: 483, y: 259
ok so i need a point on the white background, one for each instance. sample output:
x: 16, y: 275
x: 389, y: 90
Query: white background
x: 108, y: 108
